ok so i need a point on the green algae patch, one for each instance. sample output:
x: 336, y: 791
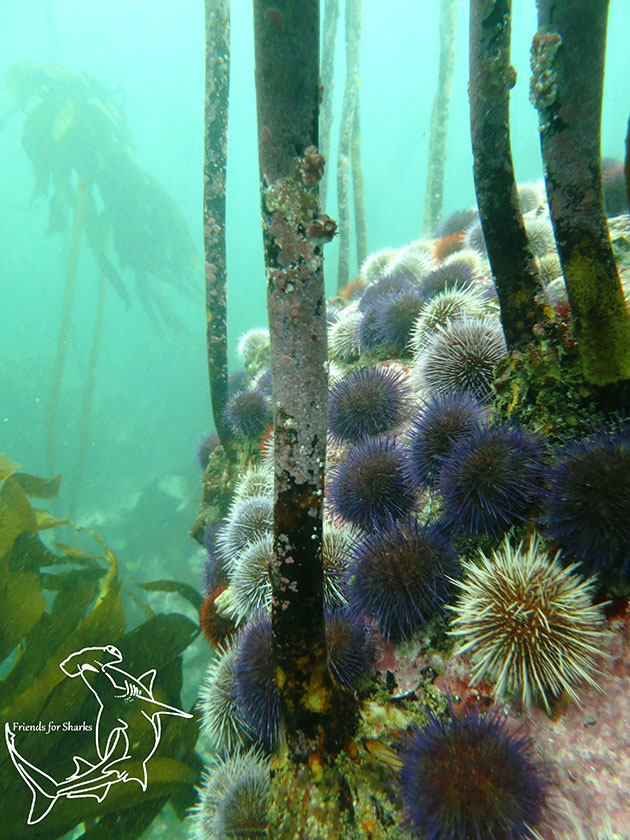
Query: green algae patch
x: 57, y: 602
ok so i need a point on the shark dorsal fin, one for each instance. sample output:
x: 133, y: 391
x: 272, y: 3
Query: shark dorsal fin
x: 81, y: 765
x: 147, y: 680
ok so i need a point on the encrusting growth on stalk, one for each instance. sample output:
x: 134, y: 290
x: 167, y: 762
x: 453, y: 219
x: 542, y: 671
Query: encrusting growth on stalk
x: 318, y: 713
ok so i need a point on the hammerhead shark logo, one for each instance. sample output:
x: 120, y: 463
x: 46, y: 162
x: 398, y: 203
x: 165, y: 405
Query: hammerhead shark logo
x: 123, y: 748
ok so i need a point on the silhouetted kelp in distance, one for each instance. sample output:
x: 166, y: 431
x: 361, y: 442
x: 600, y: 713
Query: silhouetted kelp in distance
x: 78, y: 142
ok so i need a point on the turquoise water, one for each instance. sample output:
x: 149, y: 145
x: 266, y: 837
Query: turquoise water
x: 140, y: 484
x: 151, y: 404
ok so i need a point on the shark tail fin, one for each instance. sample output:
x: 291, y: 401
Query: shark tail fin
x: 42, y: 786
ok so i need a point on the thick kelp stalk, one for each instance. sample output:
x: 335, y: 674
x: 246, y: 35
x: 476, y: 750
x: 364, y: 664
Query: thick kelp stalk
x: 317, y: 712
x: 354, y: 10
x: 214, y: 182
x: 329, y: 38
x: 491, y: 78
x: 439, y: 117
x: 568, y: 53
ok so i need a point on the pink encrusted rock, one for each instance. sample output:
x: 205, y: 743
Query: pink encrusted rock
x: 588, y: 745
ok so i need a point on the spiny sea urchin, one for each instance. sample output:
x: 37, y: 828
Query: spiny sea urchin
x: 248, y: 412
x: 376, y: 265
x: 471, y: 778
x: 474, y: 238
x: 256, y: 690
x: 439, y: 424
x: 385, y: 287
x: 447, y: 305
x: 250, y: 586
x: 398, y: 314
x: 398, y: 576
x: 367, y: 402
x: 233, y: 799
x: 528, y: 623
x: 343, y: 338
x: 351, y: 650
x: 540, y: 235
x: 370, y: 486
x: 454, y: 273
x: 221, y: 721
x: 217, y: 628
x: 588, y: 506
x: 531, y: 196
x: 248, y: 518
x: 253, y: 345
x: 461, y: 356
x: 206, y: 448
x: 255, y: 480
x: 490, y: 480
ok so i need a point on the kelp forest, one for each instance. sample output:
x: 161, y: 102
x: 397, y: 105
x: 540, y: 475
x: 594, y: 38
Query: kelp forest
x: 414, y: 511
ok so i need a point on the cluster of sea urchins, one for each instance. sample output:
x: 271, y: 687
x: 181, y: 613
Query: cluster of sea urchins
x: 420, y: 471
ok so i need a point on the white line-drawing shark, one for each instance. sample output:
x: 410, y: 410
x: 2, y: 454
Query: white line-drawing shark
x: 123, y: 750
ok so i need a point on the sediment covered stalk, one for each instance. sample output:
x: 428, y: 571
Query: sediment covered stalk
x: 439, y: 117
x: 491, y: 78
x: 358, y: 199
x: 317, y: 712
x: 329, y: 37
x: 214, y: 181
x: 354, y: 9
x: 568, y: 53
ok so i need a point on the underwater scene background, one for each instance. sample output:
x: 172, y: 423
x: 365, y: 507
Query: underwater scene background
x: 106, y: 101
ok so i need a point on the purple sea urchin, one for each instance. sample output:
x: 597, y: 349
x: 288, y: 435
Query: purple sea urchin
x: 472, y: 778
x: 370, y: 485
x: 256, y: 689
x: 369, y: 331
x: 351, y: 651
x: 398, y: 576
x: 456, y: 273
x: 206, y: 448
x: 441, y: 422
x: 457, y: 222
x: 248, y: 412
x: 490, y: 480
x: 233, y: 799
x: 588, y: 507
x: 461, y: 356
x: 367, y: 402
x: 474, y: 238
x: 527, y: 623
x: 385, y: 287
x: 398, y: 314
